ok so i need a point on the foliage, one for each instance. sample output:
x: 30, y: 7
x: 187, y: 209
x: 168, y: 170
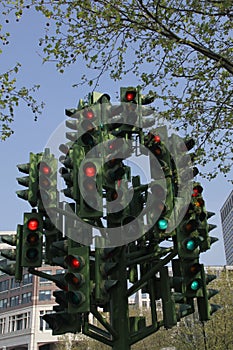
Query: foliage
x: 11, y: 95
x: 215, y: 334
x: 181, y: 49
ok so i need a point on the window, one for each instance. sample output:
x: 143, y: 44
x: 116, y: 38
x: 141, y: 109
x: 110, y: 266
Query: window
x: 3, y: 303
x: 19, y: 322
x: 26, y: 298
x: 45, y: 280
x: 4, y: 285
x: 45, y: 295
x: 14, y: 301
x: 14, y: 284
x: 44, y: 325
x: 2, y: 325
x: 27, y: 278
x: 60, y: 271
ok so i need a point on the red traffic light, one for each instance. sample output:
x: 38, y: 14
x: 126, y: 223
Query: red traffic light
x: 32, y: 224
x: 197, y: 190
x: 89, y: 169
x: 74, y: 262
x: 130, y: 95
x: 157, y: 139
x: 44, y: 168
x: 89, y: 114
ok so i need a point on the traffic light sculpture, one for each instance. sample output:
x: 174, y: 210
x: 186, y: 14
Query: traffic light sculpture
x: 132, y: 219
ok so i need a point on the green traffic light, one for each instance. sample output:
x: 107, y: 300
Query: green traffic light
x: 195, y: 285
x: 162, y: 224
x: 190, y: 245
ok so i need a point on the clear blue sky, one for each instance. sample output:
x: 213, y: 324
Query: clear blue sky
x: 57, y: 92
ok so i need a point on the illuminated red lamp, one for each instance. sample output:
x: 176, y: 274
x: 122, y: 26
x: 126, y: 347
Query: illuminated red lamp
x: 33, y: 224
x: 130, y: 96
x: 197, y: 190
x: 89, y: 169
x: 89, y: 114
x: 74, y: 262
x: 157, y: 139
x: 44, y: 168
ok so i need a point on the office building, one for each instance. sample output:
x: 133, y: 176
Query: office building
x: 227, y: 227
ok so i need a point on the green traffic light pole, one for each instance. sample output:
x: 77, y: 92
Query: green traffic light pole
x: 119, y: 312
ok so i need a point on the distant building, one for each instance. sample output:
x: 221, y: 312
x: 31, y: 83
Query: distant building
x: 227, y: 227
x: 22, y: 306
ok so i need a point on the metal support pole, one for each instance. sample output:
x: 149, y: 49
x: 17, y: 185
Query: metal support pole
x: 119, y: 313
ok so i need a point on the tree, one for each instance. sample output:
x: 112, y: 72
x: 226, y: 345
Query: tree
x: 215, y: 334
x: 11, y: 95
x: 183, y: 50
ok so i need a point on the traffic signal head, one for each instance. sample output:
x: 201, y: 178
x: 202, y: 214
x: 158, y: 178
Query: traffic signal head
x: 205, y: 309
x: 86, y: 123
x: 159, y: 206
x: 89, y: 182
x: 13, y: 254
x: 30, y: 181
x: 183, y: 169
x: 78, y: 279
x: 32, y: 240
x: 202, y: 215
x: 47, y: 168
x: 63, y: 322
x: 104, y: 266
x: 133, y: 112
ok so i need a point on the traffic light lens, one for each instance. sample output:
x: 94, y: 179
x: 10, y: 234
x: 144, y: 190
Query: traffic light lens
x: 89, y: 114
x: 157, y: 138
x: 89, y: 185
x: 162, y: 224
x: 190, y: 245
x: 158, y: 191
x: 195, y: 192
x: 157, y: 151
x: 33, y: 224
x: 89, y: 169
x: 32, y: 253
x: 130, y: 96
x: 44, y: 182
x: 195, y: 268
x: 75, y: 298
x: 75, y: 263
x: 195, y: 285
x: 45, y: 168
x: 32, y: 238
x: 191, y: 226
